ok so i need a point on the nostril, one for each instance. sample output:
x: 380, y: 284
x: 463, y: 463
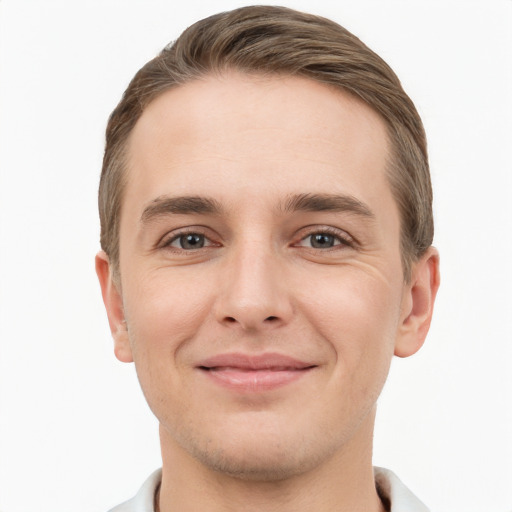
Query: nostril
x: 233, y: 320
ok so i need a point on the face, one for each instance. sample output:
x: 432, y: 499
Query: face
x: 261, y: 290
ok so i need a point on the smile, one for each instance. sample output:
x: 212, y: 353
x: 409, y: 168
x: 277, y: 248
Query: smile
x: 259, y: 373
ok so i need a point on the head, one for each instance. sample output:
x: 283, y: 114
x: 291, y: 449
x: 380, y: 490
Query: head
x: 276, y: 41
x: 266, y: 226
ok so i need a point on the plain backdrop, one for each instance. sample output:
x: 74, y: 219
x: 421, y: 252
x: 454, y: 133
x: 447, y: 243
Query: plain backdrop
x: 75, y: 432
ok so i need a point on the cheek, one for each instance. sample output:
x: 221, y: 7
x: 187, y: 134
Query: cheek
x: 163, y: 313
x: 359, y: 319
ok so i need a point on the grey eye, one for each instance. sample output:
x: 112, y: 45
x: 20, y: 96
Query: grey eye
x: 322, y: 240
x: 190, y: 241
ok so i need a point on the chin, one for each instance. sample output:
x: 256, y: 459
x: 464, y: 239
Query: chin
x: 264, y: 463
x: 264, y: 455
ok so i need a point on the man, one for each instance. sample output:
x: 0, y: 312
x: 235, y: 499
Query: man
x: 266, y: 228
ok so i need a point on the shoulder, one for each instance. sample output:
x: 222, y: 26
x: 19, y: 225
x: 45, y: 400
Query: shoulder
x: 392, y: 490
x: 144, y: 500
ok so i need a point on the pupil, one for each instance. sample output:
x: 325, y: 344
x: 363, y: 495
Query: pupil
x: 192, y: 241
x: 322, y: 240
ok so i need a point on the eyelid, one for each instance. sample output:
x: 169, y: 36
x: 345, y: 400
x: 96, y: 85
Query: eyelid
x: 166, y: 240
x: 345, y: 239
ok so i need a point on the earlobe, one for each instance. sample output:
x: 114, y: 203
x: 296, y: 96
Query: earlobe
x: 418, y: 304
x: 114, y: 305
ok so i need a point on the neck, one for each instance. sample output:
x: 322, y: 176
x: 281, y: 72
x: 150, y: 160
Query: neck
x: 342, y: 483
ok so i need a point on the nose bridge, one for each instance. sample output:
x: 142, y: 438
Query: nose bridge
x: 254, y: 294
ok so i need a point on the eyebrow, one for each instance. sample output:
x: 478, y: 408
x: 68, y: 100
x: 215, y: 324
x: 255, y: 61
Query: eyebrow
x: 184, y: 205
x: 327, y: 202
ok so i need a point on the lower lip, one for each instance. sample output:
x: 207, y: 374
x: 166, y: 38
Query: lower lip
x: 254, y: 380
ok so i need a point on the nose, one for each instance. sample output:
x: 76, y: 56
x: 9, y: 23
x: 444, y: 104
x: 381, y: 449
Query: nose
x: 253, y: 294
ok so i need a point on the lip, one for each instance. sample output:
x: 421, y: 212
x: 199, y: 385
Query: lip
x: 254, y: 373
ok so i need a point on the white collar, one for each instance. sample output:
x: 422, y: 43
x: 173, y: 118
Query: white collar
x: 389, y: 486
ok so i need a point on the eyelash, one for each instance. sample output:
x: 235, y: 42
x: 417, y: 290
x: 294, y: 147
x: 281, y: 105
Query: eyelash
x: 344, y: 239
x: 341, y: 240
x: 167, y: 242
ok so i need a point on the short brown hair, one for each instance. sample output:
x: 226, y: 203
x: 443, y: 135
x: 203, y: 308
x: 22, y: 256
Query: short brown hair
x: 277, y: 40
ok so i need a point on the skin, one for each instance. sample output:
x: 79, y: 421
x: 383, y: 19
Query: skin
x: 262, y: 283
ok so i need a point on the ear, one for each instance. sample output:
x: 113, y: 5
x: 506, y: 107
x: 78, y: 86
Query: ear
x: 418, y: 304
x: 113, y: 301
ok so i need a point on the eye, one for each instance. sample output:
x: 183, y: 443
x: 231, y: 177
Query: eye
x: 324, y: 240
x: 189, y: 241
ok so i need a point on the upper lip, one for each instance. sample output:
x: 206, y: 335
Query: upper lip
x: 266, y: 361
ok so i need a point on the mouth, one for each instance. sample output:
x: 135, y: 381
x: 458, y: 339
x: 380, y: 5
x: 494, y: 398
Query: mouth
x: 254, y: 373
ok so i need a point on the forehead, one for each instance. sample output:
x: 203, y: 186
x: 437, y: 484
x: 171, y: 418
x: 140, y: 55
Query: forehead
x: 256, y: 135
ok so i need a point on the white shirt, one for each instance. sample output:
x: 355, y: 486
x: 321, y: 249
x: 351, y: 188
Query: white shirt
x: 388, y: 485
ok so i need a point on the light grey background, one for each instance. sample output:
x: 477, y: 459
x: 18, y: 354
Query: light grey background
x: 75, y: 433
